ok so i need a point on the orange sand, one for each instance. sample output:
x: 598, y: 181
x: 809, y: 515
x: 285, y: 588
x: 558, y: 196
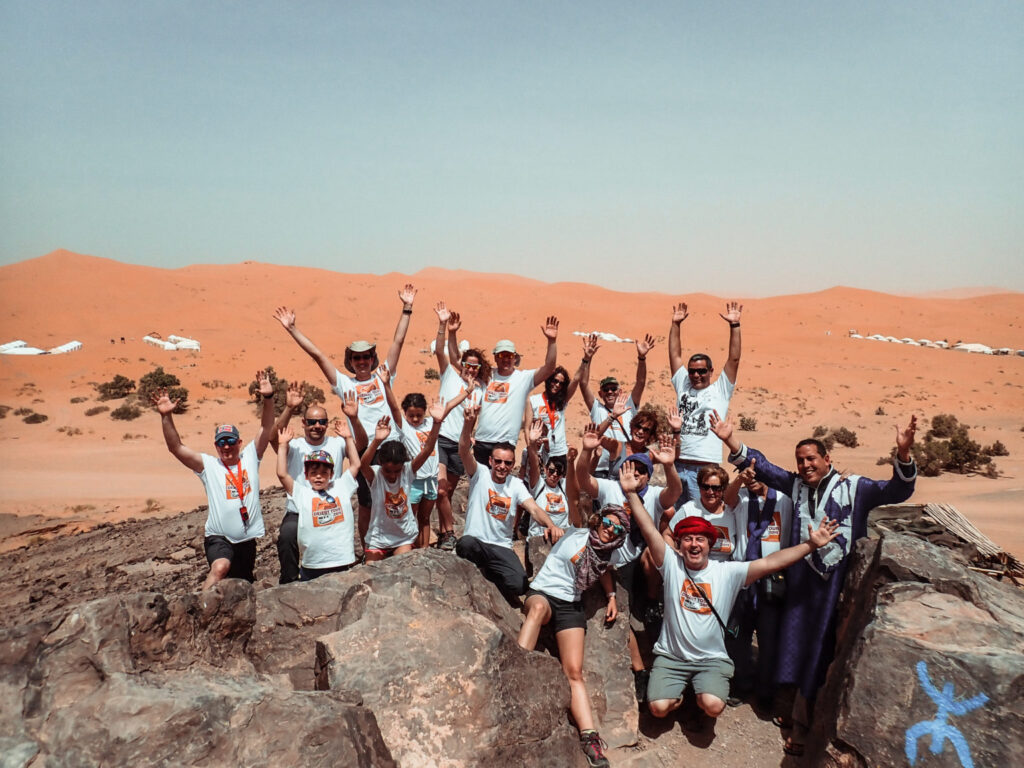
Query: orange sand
x: 793, y: 375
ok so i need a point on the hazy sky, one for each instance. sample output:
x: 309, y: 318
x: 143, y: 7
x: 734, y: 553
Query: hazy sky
x: 736, y: 148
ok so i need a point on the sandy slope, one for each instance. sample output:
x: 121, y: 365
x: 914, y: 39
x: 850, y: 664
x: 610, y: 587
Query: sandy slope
x: 799, y: 368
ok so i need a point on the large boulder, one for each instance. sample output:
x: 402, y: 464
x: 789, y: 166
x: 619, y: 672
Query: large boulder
x: 606, y: 669
x: 431, y: 646
x: 930, y: 659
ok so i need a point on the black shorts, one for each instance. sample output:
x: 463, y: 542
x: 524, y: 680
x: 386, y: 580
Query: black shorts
x: 308, y: 574
x: 564, y: 615
x: 482, y: 452
x: 448, y: 455
x: 241, y: 555
x: 363, y: 487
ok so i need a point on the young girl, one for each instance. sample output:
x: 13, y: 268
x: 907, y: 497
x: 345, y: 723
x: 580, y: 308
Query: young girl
x: 578, y: 560
x: 326, y: 525
x: 556, y: 492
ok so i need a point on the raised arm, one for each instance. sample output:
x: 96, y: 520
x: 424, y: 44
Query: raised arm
x: 741, y: 456
x: 454, y: 356
x: 675, y: 342
x: 437, y: 413
x: 591, y: 442
x: 165, y: 406
x: 293, y: 399
x: 266, y: 414
x: 350, y: 407
x: 533, y: 440
x: 665, y: 454
x: 550, y: 331
x: 286, y: 317
x: 655, y: 543
x: 827, y: 531
x: 389, y: 394
x: 407, y: 295
x: 440, y: 347
x: 733, y: 310
x: 643, y: 346
x: 380, y: 434
x: 341, y: 429
x: 590, y: 347
x: 283, y: 436
x: 469, y: 461
x: 572, y: 489
x: 731, y: 497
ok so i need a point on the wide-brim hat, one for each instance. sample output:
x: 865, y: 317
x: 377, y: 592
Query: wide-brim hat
x: 360, y: 346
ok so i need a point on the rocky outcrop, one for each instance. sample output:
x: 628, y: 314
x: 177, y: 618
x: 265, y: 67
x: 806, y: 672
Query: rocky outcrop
x: 930, y: 662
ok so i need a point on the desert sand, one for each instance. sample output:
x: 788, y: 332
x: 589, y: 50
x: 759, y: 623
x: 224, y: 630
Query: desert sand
x: 799, y: 369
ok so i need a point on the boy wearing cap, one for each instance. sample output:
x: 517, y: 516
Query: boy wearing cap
x: 326, y: 524
x: 501, y: 413
x: 698, y: 593
x: 232, y: 483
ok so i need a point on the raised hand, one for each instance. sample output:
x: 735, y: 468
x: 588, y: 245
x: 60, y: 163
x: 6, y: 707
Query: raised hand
x: 675, y: 421
x: 470, y: 412
x: 284, y: 435
x: 163, y: 403
x: 442, y: 313
x: 469, y: 377
x: 407, y: 294
x: 436, y: 410
x: 454, y: 322
x: 350, y: 404
x: 591, y: 437
x: 827, y: 531
x: 747, y: 476
x: 266, y: 386
x: 341, y: 428
x: 644, y: 345
x: 733, y: 310
x: 383, y: 373
x: 286, y: 317
x: 536, y: 433
x: 627, y: 477
x: 905, y: 439
x: 679, y: 313
x: 380, y: 434
x: 294, y: 397
x: 665, y: 452
x: 550, y: 328
x: 590, y: 345
x: 722, y: 428
x: 572, y: 454
x: 621, y: 404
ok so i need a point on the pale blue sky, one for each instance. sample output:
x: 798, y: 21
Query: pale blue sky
x: 734, y: 148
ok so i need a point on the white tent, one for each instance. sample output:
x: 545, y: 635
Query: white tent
x: 183, y: 342
x: 893, y: 340
x: 463, y: 346
x: 925, y: 342
x: 71, y: 346
x: 942, y: 344
x: 12, y: 345
x: 910, y: 342
x: 978, y: 349
x: 24, y: 351
x: 856, y: 336
x: 169, y: 346
x: 604, y: 336
x: 877, y: 337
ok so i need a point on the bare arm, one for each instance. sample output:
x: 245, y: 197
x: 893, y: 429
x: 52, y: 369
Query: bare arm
x: 550, y: 331
x: 733, y: 310
x: 454, y: 324
x: 655, y: 542
x: 533, y: 438
x: 342, y: 430
x: 267, y: 414
x: 608, y: 585
x: 553, y: 532
x: 784, y: 558
x: 440, y: 347
x: 591, y: 441
x: 465, y: 443
x: 731, y: 497
x: 379, y: 436
x: 643, y: 346
x: 389, y: 394
x: 572, y: 489
x: 407, y: 295
x: 350, y: 407
x: 675, y: 343
x: 287, y: 318
x: 165, y: 406
x: 665, y: 454
x: 590, y: 347
x: 436, y: 412
x: 293, y: 400
x: 283, y: 436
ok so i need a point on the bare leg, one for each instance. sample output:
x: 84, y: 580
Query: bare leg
x: 423, y: 510
x: 636, y: 661
x: 402, y: 549
x: 662, y: 707
x: 570, y: 648
x: 651, y: 575
x: 711, y: 704
x: 538, y: 613
x: 445, y: 489
x: 218, y: 570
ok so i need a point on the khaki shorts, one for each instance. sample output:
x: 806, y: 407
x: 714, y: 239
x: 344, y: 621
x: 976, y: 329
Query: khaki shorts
x: 669, y: 678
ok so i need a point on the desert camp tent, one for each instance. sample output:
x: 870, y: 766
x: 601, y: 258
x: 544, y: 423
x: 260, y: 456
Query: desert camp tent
x: 24, y: 350
x: 71, y: 346
x: 893, y: 340
x: 12, y: 345
x: 910, y: 342
x: 604, y: 336
x: 877, y: 337
x: 856, y: 336
x: 168, y: 345
x: 978, y: 349
x: 183, y: 342
x: 463, y: 346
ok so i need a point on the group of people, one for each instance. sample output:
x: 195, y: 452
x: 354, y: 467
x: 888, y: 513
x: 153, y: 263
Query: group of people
x: 707, y: 561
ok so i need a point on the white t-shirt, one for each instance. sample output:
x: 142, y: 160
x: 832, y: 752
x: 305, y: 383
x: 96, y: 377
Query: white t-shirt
x: 501, y: 413
x: 491, y: 508
x: 299, y: 447
x: 690, y: 631
x: 415, y: 438
x: 776, y: 535
x: 619, y: 428
x: 373, y: 403
x: 326, y: 523
x: 452, y: 385
x: 731, y: 524
x: 696, y: 441
x: 557, y: 445
x: 223, y: 518
x: 554, y: 502
x: 557, y: 576
x: 610, y: 492
x: 392, y: 521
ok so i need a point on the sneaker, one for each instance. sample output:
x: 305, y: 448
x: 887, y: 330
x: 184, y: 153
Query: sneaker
x: 640, y: 679
x: 593, y: 747
x: 446, y: 541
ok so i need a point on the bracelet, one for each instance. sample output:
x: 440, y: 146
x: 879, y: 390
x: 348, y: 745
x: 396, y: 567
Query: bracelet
x: 406, y: 311
x: 677, y: 431
x: 610, y: 596
x: 586, y: 361
x: 641, y: 358
x: 734, y: 325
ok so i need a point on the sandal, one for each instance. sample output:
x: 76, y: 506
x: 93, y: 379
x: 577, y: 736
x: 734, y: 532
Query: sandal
x: 793, y: 748
x: 782, y: 722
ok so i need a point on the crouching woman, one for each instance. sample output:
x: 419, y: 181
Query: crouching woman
x: 577, y: 561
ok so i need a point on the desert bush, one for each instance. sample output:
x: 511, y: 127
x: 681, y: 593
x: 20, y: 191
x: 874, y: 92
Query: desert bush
x: 820, y: 431
x: 943, y: 426
x: 879, y: 411
x: 24, y: 412
x: 3, y: 411
x: 996, y: 449
x: 158, y: 379
x: 35, y: 418
x: 75, y: 400
x: 431, y: 374
x: 310, y: 393
x: 126, y: 412
x: 956, y: 452
x: 118, y: 387
x: 748, y: 423
x: 846, y: 437
x: 70, y: 431
x: 97, y: 409
x: 829, y: 441
x: 216, y: 383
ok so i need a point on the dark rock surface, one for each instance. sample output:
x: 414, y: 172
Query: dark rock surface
x: 913, y: 617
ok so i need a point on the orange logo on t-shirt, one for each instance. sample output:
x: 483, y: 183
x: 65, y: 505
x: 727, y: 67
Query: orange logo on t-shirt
x: 498, y: 506
x: 326, y: 512
x: 369, y: 393
x: 724, y: 542
x: 395, y: 504
x: 554, y: 503
x: 774, y: 529
x: 497, y: 392
x: 691, y: 599
x: 232, y: 491
x: 575, y: 558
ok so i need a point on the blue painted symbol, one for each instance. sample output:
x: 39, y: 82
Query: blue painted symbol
x: 939, y: 729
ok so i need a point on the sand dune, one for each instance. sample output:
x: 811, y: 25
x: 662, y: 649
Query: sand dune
x: 799, y: 369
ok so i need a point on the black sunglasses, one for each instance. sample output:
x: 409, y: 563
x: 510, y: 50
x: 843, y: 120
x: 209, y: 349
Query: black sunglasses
x: 312, y: 422
x: 697, y: 371
x: 711, y: 488
x: 503, y: 462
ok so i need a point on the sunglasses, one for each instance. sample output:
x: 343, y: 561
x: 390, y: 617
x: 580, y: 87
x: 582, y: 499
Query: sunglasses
x: 711, y: 488
x: 502, y: 462
x: 362, y: 356
x: 471, y: 365
x: 314, y: 422
x: 609, y: 390
x: 641, y: 428
x: 697, y: 371
x: 552, y: 470
x: 617, y: 529
x: 227, y: 441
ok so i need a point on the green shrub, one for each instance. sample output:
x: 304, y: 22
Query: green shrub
x: 956, y: 452
x: 35, y: 418
x: 156, y: 380
x: 944, y: 426
x: 996, y: 449
x: 126, y: 412
x: 118, y: 387
x: 97, y: 409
